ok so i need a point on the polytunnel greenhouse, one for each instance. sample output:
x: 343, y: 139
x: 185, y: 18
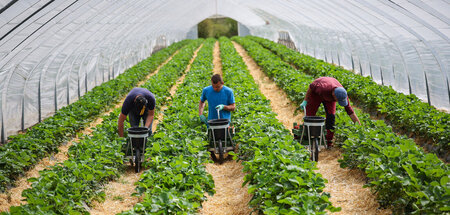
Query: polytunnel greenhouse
x: 304, y: 107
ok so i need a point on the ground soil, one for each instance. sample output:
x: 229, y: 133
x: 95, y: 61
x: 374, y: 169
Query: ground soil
x: 230, y: 197
x: 13, y: 197
x: 344, y: 185
x: 119, y: 193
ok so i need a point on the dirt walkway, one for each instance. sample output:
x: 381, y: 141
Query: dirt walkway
x: 344, y: 185
x: 13, y: 197
x: 118, y: 193
x: 230, y: 198
x: 216, y: 60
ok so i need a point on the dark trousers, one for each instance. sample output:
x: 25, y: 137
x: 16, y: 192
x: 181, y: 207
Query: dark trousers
x: 330, y: 109
x: 135, y: 119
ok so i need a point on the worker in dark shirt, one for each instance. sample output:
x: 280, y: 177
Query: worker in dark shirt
x: 327, y: 91
x: 139, y: 104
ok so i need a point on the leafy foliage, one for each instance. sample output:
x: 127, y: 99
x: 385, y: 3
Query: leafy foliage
x: 176, y: 180
x: 280, y: 174
x: 405, y: 112
x: 69, y: 187
x: 217, y: 27
x: 405, y: 177
x: 23, y: 151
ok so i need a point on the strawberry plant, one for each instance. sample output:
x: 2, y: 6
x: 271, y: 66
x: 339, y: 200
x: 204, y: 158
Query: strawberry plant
x: 23, y: 151
x: 280, y: 174
x: 176, y: 180
x: 69, y: 187
x: 404, y: 112
x: 405, y: 178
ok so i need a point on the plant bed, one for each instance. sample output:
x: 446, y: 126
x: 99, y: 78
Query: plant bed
x: 280, y: 175
x: 23, y: 151
x: 176, y: 181
x: 405, y: 178
x: 404, y: 112
x: 69, y: 187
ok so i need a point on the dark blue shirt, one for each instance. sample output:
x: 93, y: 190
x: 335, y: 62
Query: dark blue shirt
x: 128, y: 104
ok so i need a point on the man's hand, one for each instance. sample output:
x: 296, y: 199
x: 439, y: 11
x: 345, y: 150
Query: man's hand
x: 219, y: 107
x: 355, y: 118
x: 203, y: 119
x: 303, y: 104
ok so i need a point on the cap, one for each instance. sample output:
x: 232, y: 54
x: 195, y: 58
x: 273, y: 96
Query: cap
x: 341, y: 96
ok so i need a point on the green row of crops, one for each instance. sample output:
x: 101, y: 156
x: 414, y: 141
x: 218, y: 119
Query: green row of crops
x: 23, y: 151
x: 69, y: 187
x: 176, y: 180
x: 405, y: 177
x: 405, y: 112
x: 280, y: 174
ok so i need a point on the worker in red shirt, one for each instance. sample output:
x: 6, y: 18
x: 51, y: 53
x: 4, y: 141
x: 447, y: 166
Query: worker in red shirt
x: 326, y: 91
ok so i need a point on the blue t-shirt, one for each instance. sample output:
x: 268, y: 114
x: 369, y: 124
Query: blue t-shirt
x: 225, y: 96
x: 128, y: 104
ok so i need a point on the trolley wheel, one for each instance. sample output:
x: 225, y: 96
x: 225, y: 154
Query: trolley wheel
x: 315, y: 150
x: 137, y: 162
x: 213, y: 156
x: 220, y: 152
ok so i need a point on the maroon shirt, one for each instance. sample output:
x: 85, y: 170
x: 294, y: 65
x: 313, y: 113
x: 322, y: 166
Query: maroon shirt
x: 323, y: 88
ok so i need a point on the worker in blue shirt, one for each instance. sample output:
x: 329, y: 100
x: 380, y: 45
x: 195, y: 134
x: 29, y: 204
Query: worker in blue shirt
x: 219, y: 97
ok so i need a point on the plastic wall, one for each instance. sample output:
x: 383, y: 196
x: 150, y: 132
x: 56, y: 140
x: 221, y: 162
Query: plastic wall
x: 54, y: 51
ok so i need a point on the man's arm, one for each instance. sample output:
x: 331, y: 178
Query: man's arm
x: 355, y: 118
x: 122, y: 118
x: 150, y: 116
x: 231, y: 107
x: 201, y: 106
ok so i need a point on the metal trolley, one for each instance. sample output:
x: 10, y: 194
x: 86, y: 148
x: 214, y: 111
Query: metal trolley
x: 313, y: 131
x: 314, y: 126
x: 135, y: 149
x: 220, y: 138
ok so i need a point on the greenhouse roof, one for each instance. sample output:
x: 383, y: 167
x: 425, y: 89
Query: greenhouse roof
x: 54, y: 51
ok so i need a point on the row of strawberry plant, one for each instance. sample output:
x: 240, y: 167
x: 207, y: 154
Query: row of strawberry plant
x: 405, y: 112
x: 176, y: 180
x: 23, y: 151
x: 70, y: 186
x: 280, y: 174
x: 400, y: 172
x: 404, y: 177
x: 289, y: 79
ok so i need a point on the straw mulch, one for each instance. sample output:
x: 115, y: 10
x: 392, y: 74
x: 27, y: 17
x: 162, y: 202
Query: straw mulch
x: 13, y: 197
x: 217, y: 62
x: 345, y: 186
x: 118, y: 193
x: 230, y: 197
x: 279, y: 101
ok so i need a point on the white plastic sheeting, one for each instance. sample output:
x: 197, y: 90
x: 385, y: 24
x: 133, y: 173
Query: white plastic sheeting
x: 54, y: 51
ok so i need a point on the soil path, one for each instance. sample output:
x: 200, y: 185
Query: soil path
x: 13, y: 197
x: 230, y: 197
x: 118, y: 193
x: 344, y: 185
